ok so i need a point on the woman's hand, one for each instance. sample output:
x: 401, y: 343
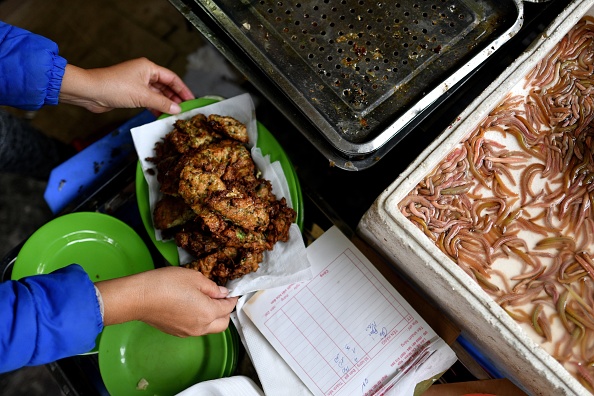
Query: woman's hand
x: 131, y: 84
x: 176, y: 300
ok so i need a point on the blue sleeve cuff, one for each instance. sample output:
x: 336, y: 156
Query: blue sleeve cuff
x: 32, y: 68
x: 68, y: 314
x: 44, y: 318
x: 56, y: 75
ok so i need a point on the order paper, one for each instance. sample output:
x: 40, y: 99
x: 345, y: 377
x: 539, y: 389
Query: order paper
x: 348, y: 331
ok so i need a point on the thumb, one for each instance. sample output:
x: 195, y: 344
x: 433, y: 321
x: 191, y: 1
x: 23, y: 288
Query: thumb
x: 161, y: 103
x: 213, y: 290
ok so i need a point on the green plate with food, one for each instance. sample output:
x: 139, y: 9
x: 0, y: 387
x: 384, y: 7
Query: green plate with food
x: 267, y: 144
x: 135, y: 358
x: 105, y: 247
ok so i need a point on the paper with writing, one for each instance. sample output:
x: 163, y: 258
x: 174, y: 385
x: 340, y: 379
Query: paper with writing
x: 347, y: 331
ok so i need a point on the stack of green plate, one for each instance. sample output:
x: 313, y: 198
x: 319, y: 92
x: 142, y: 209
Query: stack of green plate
x: 104, y: 246
x: 135, y: 358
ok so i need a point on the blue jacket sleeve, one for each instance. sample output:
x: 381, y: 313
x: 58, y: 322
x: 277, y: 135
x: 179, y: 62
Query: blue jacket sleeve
x: 31, y: 70
x: 44, y: 318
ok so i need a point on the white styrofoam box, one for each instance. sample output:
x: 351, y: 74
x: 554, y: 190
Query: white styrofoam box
x: 513, y: 352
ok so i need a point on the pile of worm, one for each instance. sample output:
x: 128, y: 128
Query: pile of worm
x: 526, y: 208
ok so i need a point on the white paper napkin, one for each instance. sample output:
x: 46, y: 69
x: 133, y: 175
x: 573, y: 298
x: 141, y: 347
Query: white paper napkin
x: 287, y: 262
x: 232, y: 386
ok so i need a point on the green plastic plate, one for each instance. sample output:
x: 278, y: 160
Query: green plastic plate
x: 135, y: 358
x: 104, y: 246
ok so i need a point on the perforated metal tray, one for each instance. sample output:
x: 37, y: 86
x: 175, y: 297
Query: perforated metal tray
x: 360, y: 71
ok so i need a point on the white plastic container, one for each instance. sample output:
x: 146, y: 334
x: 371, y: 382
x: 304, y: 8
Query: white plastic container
x: 513, y: 352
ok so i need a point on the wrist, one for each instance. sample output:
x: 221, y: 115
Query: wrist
x: 73, y: 84
x: 81, y: 87
x: 122, y: 299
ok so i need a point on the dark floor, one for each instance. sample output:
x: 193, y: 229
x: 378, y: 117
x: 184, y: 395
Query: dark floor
x: 22, y: 211
x: 30, y: 381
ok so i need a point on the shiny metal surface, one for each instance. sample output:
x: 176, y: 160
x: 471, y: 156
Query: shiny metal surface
x: 361, y: 71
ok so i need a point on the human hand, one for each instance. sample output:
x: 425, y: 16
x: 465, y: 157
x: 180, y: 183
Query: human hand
x: 130, y: 84
x: 175, y: 300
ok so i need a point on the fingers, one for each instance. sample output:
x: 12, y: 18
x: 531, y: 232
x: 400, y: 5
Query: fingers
x: 176, y: 300
x: 169, y: 79
x: 221, y: 323
x: 228, y: 304
x: 215, y: 319
x: 130, y: 84
x: 223, y: 307
x: 161, y: 103
x: 171, y: 90
x: 161, y: 89
x: 207, y: 286
x: 166, y: 91
x: 162, y: 99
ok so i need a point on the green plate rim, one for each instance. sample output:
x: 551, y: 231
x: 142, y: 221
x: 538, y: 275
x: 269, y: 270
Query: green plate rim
x: 23, y: 261
x: 267, y: 143
x: 233, y: 339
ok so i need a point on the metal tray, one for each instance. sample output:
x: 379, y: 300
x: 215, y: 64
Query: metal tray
x: 361, y: 71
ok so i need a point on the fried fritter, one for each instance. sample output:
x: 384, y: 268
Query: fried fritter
x: 227, y: 159
x: 229, y: 126
x: 168, y: 175
x: 195, y: 184
x: 195, y: 240
x: 216, y: 266
x: 229, y: 234
x: 238, y: 206
x: 171, y: 212
x: 186, y: 135
x: 214, y: 204
x: 192, y: 134
x: 227, y: 264
x: 281, y: 219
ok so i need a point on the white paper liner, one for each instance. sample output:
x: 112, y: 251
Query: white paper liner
x: 287, y: 263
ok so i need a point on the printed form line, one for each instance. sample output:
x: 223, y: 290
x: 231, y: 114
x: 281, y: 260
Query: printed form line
x: 339, y: 303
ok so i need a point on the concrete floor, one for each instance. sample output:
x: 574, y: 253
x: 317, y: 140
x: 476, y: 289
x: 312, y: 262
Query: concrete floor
x: 95, y: 33
x: 22, y: 211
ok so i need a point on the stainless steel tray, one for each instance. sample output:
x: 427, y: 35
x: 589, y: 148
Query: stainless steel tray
x: 361, y: 71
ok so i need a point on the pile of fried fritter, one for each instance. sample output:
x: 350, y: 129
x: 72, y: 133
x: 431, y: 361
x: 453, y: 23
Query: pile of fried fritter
x: 215, y: 204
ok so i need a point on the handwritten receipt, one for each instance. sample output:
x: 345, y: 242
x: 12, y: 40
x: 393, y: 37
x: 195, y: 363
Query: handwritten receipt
x: 347, y: 331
